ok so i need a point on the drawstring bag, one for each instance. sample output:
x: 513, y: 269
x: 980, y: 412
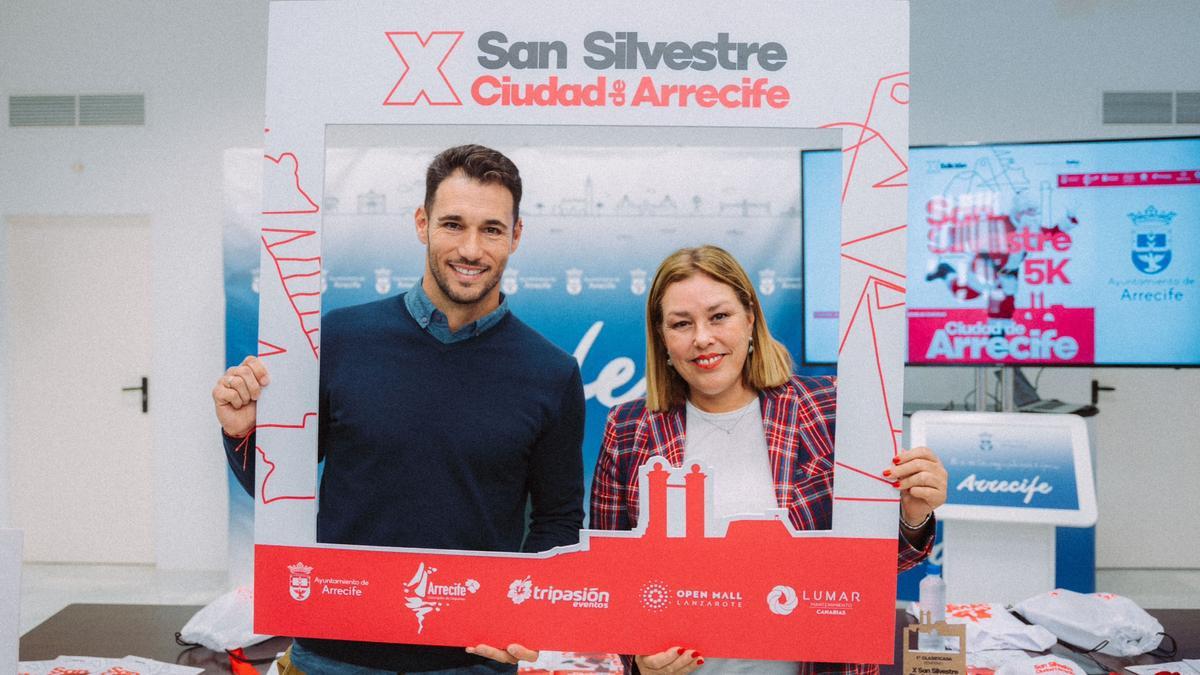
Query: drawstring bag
x: 1041, y: 665
x: 226, y: 624
x: 1100, y: 622
x: 990, y: 626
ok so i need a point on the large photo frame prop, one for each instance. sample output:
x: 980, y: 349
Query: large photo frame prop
x: 751, y: 588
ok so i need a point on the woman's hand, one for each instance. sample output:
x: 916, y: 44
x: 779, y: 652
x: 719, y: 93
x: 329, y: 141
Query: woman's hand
x: 921, y: 478
x: 511, y: 654
x: 673, y: 660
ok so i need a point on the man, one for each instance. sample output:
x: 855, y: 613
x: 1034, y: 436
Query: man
x: 441, y: 413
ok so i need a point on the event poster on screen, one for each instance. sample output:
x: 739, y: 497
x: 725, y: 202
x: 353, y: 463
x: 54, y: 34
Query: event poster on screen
x: 1055, y: 253
x: 1037, y: 254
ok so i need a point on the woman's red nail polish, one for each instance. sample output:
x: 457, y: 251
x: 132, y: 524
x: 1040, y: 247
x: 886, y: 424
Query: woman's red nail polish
x: 681, y: 651
x: 887, y: 472
x: 700, y: 662
x: 896, y: 483
x: 895, y: 460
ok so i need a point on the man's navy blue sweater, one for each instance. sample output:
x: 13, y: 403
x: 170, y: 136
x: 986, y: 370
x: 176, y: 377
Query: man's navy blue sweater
x: 435, y: 445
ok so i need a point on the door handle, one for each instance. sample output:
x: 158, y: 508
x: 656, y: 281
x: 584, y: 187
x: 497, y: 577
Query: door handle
x: 145, y: 389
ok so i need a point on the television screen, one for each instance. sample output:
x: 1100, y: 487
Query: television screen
x: 1080, y: 253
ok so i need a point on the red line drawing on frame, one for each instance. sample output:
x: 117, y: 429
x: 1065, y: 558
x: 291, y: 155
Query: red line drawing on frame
x: 887, y: 411
x: 262, y: 485
x: 865, y: 128
x: 275, y: 350
x: 868, y: 474
x: 298, y: 280
x: 312, y: 206
x: 890, y: 230
x: 871, y: 297
x: 876, y: 294
x: 873, y: 266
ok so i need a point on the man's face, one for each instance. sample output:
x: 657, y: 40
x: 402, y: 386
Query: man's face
x: 468, y: 235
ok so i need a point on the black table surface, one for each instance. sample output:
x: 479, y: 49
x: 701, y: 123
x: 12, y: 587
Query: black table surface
x: 115, y: 631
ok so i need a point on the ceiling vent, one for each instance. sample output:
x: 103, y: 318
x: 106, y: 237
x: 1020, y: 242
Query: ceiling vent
x: 103, y: 110
x: 41, y: 111
x: 87, y: 110
x: 1138, y: 107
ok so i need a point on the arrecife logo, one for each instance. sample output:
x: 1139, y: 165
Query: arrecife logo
x: 521, y: 590
x: 423, y: 59
x: 422, y: 596
x: 300, y: 582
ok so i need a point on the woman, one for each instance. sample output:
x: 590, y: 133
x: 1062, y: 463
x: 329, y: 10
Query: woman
x: 714, y: 369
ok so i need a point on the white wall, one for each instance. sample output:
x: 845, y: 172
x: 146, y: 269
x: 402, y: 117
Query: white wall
x: 202, y: 67
x: 982, y: 71
x: 1034, y: 70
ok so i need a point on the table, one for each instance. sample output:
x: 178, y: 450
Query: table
x: 149, y: 630
x: 114, y: 631
x: 1181, y: 624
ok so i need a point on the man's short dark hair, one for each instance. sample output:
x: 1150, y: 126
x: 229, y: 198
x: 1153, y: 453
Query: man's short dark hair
x: 479, y: 163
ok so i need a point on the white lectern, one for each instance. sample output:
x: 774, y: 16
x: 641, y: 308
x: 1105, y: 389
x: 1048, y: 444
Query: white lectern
x: 1014, y: 477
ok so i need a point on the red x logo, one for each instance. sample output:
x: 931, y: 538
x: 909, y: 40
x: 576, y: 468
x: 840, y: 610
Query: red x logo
x: 423, y: 76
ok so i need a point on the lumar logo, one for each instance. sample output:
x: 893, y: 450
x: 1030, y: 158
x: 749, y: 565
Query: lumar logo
x: 829, y: 601
x: 423, y: 59
x: 521, y: 590
x: 422, y: 596
x: 300, y: 584
x: 782, y: 600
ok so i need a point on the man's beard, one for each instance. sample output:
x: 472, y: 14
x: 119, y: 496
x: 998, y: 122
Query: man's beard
x: 456, y: 297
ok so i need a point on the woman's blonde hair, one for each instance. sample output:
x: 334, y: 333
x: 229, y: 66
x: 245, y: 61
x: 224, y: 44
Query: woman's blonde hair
x: 769, y: 365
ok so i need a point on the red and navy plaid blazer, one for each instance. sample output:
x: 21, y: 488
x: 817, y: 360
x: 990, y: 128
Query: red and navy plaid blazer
x: 798, y: 421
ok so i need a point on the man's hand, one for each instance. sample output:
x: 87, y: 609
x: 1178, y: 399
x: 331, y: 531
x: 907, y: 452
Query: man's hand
x: 512, y: 654
x: 236, y: 396
x: 673, y: 660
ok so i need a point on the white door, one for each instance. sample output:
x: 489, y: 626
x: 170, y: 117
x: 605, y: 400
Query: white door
x: 1147, y: 459
x: 79, y: 329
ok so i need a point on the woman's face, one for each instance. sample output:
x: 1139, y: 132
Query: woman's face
x: 707, y: 333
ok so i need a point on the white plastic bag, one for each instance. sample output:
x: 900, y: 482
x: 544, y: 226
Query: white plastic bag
x: 1107, y: 623
x: 225, y: 623
x: 990, y: 626
x: 1041, y: 665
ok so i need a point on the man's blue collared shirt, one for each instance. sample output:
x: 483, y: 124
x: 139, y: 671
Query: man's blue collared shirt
x: 434, y: 322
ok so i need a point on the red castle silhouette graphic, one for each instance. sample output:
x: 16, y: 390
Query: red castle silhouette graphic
x: 753, y: 586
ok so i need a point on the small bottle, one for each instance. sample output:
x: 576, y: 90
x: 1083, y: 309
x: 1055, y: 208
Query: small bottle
x: 932, y: 599
x: 932, y: 593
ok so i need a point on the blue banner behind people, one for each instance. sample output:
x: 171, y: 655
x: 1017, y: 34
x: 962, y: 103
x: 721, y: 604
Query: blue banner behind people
x: 597, y: 221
